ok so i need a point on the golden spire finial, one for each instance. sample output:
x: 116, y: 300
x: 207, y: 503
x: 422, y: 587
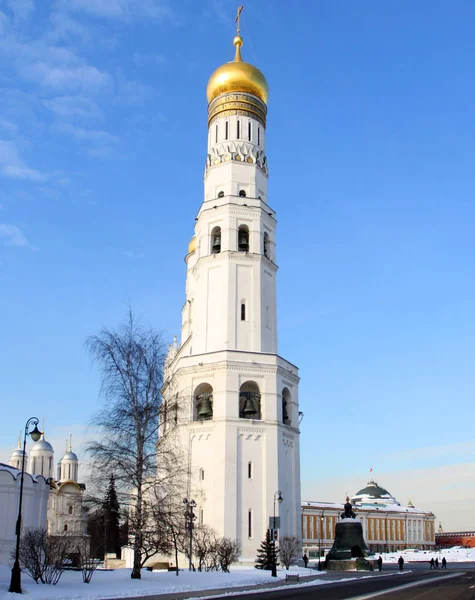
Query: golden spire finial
x: 238, y: 39
x: 70, y: 442
x: 19, y: 439
x: 238, y: 19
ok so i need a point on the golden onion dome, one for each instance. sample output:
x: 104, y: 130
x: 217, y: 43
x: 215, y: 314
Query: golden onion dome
x: 237, y: 76
x: 192, y: 245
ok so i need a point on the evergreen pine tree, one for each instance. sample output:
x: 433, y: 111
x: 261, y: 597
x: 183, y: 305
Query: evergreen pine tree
x: 267, y: 554
x: 112, y: 519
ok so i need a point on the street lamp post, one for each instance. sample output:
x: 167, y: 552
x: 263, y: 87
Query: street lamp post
x: 277, y: 498
x: 190, y: 518
x: 322, y: 518
x: 15, y: 582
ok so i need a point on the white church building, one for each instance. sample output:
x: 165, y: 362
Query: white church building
x: 65, y: 494
x: 239, y: 397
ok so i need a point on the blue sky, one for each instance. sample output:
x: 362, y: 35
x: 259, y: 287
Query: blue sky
x: 371, y: 153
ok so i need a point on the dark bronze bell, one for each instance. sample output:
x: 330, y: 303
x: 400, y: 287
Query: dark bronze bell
x: 243, y: 242
x: 251, y: 408
x: 205, y: 410
x: 217, y: 243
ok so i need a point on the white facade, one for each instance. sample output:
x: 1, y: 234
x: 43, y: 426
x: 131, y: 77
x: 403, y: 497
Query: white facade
x: 238, y: 399
x: 34, y: 506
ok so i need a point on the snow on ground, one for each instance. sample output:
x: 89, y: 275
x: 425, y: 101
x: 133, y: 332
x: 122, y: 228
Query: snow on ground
x: 118, y: 584
x: 455, y: 554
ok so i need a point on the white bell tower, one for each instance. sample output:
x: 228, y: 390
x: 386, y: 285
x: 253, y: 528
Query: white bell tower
x: 239, y: 412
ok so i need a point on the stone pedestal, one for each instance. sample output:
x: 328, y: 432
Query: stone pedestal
x: 352, y: 564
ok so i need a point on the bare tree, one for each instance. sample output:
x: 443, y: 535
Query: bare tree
x: 131, y: 360
x: 204, y: 544
x: 33, y: 553
x: 88, y: 563
x: 42, y: 556
x: 227, y: 551
x: 59, y: 547
x: 289, y: 550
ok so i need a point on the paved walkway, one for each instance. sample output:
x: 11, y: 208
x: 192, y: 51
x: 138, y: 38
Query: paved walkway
x: 326, y: 576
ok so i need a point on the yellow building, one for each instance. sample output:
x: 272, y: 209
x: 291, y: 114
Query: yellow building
x: 388, y: 526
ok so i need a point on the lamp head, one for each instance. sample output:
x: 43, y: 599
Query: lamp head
x: 279, y: 497
x: 35, y: 434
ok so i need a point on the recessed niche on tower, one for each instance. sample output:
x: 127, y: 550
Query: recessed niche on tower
x: 243, y: 238
x: 203, y: 403
x: 216, y: 240
x: 286, y: 400
x: 266, y: 245
x: 249, y: 401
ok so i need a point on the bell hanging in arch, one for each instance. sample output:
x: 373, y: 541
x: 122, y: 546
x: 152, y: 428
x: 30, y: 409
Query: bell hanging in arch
x: 251, y: 408
x: 205, y: 409
x: 243, y: 241
x: 217, y: 244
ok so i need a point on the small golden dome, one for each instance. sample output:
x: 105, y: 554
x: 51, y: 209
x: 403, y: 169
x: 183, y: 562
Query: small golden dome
x: 192, y: 245
x: 237, y: 76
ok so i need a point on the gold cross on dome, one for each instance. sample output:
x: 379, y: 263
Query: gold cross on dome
x: 238, y: 19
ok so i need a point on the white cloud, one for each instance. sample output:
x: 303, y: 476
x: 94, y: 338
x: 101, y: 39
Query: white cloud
x: 8, y: 126
x: 72, y: 106
x: 132, y: 93
x: 87, y: 135
x: 56, y: 77
x: 12, y: 166
x: 22, y: 9
x: 120, y: 9
x: 64, y: 27
x: 12, y: 236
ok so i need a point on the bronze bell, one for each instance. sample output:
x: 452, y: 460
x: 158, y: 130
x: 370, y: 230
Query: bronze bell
x: 251, y: 408
x: 243, y: 241
x: 217, y: 243
x: 205, y: 410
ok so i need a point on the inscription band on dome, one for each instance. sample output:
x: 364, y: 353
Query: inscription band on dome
x: 237, y: 104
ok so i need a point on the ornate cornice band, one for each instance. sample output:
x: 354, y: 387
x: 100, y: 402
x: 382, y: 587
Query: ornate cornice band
x: 241, y: 104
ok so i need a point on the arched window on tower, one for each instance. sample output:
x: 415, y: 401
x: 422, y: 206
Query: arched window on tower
x: 286, y: 402
x: 249, y: 401
x: 249, y: 131
x: 243, y: 310
x: 203, y: 402
x: 70, y: 510
x: 226, y: 130
x: 243, y: 238
x: 242, y: 193
x: 216, y: 135
x: 216, y: 240
x: 266, y: 245
x: 238, y: 129
x: 221, y: 194
x: 258, y: 136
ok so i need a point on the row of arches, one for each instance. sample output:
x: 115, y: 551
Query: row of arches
x: 249, y: 402
x: 243, y: 244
